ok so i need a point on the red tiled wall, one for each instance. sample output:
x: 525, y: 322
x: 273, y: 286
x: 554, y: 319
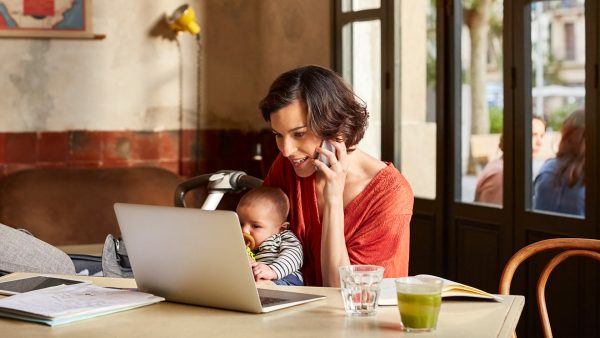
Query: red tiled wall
x: 92, y: 149
x: 187, y: 153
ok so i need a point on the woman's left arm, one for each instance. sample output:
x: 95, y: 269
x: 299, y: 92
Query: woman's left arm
x: 382, y: 237
x: 333, y: 243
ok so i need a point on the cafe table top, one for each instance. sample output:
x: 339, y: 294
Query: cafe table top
x: 322, y: 318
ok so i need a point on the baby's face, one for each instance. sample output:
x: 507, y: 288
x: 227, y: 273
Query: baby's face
x: 259, y: 220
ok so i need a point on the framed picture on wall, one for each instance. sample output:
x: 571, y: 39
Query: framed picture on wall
x: 46, y: 18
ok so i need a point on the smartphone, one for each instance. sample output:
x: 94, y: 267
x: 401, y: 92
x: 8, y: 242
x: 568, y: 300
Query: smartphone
x: 326, y: 145
x: 14, y: 287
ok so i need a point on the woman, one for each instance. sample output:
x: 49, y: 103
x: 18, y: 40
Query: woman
x: 491, y: 179
x: 357, y: 209
x: 560, y: 186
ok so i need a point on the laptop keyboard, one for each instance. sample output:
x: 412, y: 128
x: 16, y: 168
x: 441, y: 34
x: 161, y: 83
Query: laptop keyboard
x: 268, y: 301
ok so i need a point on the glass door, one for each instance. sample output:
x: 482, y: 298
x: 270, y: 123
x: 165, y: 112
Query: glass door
x: 482, y: 106
x: 360, y: 37
x: 557, y: 72
x: 556, y: 66
x: 490, y: 109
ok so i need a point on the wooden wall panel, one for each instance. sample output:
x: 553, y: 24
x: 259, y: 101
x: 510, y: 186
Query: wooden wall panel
x: 478, y: 254
x: 422, y: 244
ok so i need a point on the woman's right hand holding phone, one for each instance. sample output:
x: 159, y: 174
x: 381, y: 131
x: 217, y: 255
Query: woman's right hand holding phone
x: 333, y: 246
x: 335, y: 170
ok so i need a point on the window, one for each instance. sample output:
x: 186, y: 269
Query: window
x: 399, y: 88
x: 482, y: 104
x: 359, y: 5
x: 362, y: 68
x: 415, y: 60
x: 570, y: 42
x: 558, y: 97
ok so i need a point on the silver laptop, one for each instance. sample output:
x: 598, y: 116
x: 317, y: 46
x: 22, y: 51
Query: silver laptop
x: 197, y: 257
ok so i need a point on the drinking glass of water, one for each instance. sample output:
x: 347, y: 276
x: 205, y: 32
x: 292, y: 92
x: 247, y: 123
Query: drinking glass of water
x: 360, y: 286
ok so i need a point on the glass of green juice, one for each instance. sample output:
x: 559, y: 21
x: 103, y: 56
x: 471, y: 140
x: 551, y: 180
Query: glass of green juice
x: 419, y: 301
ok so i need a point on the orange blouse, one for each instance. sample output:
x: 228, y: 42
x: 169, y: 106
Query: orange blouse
x: 376, y: 222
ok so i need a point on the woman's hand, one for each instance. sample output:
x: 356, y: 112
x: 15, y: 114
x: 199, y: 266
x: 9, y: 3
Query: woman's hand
x: 335, y: 173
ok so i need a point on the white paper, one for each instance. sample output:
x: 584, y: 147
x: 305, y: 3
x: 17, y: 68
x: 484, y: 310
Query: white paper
x: 63, y: 302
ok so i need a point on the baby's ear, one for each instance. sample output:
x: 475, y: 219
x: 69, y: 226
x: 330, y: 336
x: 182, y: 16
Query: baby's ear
x: 284, y: 226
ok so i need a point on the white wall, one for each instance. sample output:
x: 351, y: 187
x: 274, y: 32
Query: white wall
x: 136, y: 79
x: 130, y: 80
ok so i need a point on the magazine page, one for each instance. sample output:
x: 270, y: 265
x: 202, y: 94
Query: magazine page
x: 449, y: 289
x: 455, y: 289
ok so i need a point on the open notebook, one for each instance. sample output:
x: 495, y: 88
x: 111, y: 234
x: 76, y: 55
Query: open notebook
x: 449, y: 289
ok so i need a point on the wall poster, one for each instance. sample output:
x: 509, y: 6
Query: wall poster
x: 46, y: 18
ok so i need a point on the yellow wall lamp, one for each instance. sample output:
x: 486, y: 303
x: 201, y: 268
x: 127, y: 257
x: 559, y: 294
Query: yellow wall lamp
x: 183, y: 19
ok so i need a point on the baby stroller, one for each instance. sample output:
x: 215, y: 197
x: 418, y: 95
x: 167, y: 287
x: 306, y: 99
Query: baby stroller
x: 114, y: 261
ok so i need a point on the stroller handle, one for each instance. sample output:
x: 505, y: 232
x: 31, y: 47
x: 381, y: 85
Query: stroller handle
x: 219, y: 183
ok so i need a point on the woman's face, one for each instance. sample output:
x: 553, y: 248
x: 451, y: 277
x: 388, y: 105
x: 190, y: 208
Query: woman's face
x: 294, y: 140
x: 538, y: 130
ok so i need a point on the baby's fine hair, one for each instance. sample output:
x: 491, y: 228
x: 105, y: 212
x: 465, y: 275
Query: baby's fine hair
x: 274, y: 195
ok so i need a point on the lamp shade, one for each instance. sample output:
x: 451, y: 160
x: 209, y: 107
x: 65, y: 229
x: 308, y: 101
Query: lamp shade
x: 184, y: 20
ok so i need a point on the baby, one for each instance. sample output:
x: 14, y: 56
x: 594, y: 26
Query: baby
x: 263, y: 213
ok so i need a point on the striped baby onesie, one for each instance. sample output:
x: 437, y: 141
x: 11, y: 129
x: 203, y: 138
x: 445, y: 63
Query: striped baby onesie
x: 282, y: 252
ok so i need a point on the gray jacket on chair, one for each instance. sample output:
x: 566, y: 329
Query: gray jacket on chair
x: 21, y: 252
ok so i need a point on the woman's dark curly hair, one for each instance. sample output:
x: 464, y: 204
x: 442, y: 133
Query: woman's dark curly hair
x: 571, y: 149
x: 334, y: 111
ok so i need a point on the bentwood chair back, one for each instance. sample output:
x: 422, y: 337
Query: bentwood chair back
x: 565, y: 247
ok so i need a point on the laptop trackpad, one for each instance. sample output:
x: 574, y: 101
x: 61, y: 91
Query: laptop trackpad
x: 277, y: 297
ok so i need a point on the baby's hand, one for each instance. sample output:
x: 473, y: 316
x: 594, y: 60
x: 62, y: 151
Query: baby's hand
x: 263, y: 271
x: 264, y: 282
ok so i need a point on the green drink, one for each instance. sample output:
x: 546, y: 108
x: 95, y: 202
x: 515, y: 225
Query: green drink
x: 419, y: 311
x: 419, y: 303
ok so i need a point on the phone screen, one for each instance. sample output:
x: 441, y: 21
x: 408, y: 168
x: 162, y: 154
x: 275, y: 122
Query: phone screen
x: 326, y: 145
x: 33, y: 283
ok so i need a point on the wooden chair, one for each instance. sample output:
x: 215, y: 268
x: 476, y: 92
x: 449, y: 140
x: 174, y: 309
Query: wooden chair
x: 568, y: 247
x: 71, y: 206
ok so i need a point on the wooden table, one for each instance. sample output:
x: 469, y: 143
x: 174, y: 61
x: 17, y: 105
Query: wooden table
x: 323, y: 318
x: 83, y: 249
